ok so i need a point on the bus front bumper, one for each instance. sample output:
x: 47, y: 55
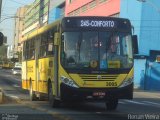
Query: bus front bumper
x: 70, y: 93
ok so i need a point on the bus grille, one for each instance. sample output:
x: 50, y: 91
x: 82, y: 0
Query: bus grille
x: 98, y: 77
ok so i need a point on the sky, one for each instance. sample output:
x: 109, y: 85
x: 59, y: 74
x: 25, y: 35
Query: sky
x: 9, y: 8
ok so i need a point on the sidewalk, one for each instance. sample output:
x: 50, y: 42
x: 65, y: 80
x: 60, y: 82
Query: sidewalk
x: 146, y: 94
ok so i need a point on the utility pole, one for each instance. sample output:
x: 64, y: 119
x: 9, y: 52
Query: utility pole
x: 0, y: 8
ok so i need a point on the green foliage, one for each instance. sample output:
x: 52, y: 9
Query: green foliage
x: 3, y: 52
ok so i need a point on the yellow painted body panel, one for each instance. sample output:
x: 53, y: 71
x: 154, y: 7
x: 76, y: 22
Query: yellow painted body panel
x: 45, y: 73
x: 8, y: 65
x: 31, y: 70
x: 31, y: 73
x: 114, y: 64
x: 39, y: 75
x: 92, y: 80
x: 98, y: 83
x: 24, y: 84
x: 24, y: 75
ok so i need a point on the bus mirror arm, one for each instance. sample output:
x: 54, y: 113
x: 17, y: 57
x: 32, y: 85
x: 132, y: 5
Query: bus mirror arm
x: 135, y: 44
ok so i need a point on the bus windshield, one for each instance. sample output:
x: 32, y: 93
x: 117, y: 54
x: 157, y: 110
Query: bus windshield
x: 96, y: 50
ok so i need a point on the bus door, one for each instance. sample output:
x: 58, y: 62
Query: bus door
x: 56, y: 47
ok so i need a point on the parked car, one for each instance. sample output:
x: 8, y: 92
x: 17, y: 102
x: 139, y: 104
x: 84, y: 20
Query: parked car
x: 18, y: 64
x: 17, y: 71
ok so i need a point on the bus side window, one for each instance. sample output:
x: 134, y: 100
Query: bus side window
x: 27, y: 50
x: 50, y: 47
x: 43, y: 46
x: 32, y: 49
x: 24, y: 51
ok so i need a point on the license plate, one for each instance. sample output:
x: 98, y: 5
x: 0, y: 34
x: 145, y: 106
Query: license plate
x: 99, y: 94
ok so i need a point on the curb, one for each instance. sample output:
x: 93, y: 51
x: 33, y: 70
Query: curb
x: 5, y: 98
x: 149, y: 91
x: 11, y: 99
x: 14, y: 99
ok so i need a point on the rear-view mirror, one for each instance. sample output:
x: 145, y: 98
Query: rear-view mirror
x: 135, y: 44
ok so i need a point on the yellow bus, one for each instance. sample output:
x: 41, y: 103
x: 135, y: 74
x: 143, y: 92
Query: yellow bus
x: 7, y: 65
x: 80, y: 59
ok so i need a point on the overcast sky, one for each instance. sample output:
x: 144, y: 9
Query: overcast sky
x: 9, y: 8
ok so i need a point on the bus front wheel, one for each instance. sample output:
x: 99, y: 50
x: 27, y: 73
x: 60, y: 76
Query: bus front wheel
x: 53, y: 102
x: 112, y: 104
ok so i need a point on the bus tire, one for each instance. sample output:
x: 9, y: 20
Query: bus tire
x: 32, y: 94
x: 51, y: 98
x: 112, y: 104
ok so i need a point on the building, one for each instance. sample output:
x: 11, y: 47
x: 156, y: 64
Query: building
x: 92, y: 8
x: 145, y: 17
x: 36, y: 16
x: 3, y: 52
x: 56, y: 10
x: 10, y: 52
x: 19, y: 27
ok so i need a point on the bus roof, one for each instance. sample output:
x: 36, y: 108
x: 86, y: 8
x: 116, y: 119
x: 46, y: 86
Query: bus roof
x: 84, y: 22
x: 41, y: 30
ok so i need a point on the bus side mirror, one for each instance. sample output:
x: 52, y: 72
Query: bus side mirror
x: 1, y: 38
x: 56, y: 38
x: 135, y: 44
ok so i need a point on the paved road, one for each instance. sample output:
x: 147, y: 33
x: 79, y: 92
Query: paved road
x: 145, y: 105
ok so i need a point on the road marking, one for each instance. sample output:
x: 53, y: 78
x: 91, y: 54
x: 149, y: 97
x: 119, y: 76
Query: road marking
x: 135, y: 102
x: 153, y: 103
x: 146, y: 103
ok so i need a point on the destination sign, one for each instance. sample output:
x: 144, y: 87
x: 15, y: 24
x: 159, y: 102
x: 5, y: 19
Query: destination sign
x: 97, y: 23
x: 103, y: 23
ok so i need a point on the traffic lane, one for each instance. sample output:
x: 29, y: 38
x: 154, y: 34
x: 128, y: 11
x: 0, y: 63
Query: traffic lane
x: 97, y: 111
x: 22, y: 112
x: 12, y: 87
x: 8, y: 73
x: 76, y: 111
x: 139, y: 105
x: 6, y: 76
x: 8, y: 83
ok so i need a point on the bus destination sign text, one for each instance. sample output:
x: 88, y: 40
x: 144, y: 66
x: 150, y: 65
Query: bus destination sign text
x: 97, y: 23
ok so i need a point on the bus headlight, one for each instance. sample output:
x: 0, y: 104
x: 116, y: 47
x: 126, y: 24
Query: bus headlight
x: 69, y: 82
x: 126, y: 82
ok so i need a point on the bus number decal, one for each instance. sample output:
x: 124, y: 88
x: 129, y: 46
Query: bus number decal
x: 114, y: 84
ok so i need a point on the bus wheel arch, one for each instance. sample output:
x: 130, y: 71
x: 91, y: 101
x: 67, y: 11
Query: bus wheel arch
x: 32, y: 93
x: 51, y: 98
